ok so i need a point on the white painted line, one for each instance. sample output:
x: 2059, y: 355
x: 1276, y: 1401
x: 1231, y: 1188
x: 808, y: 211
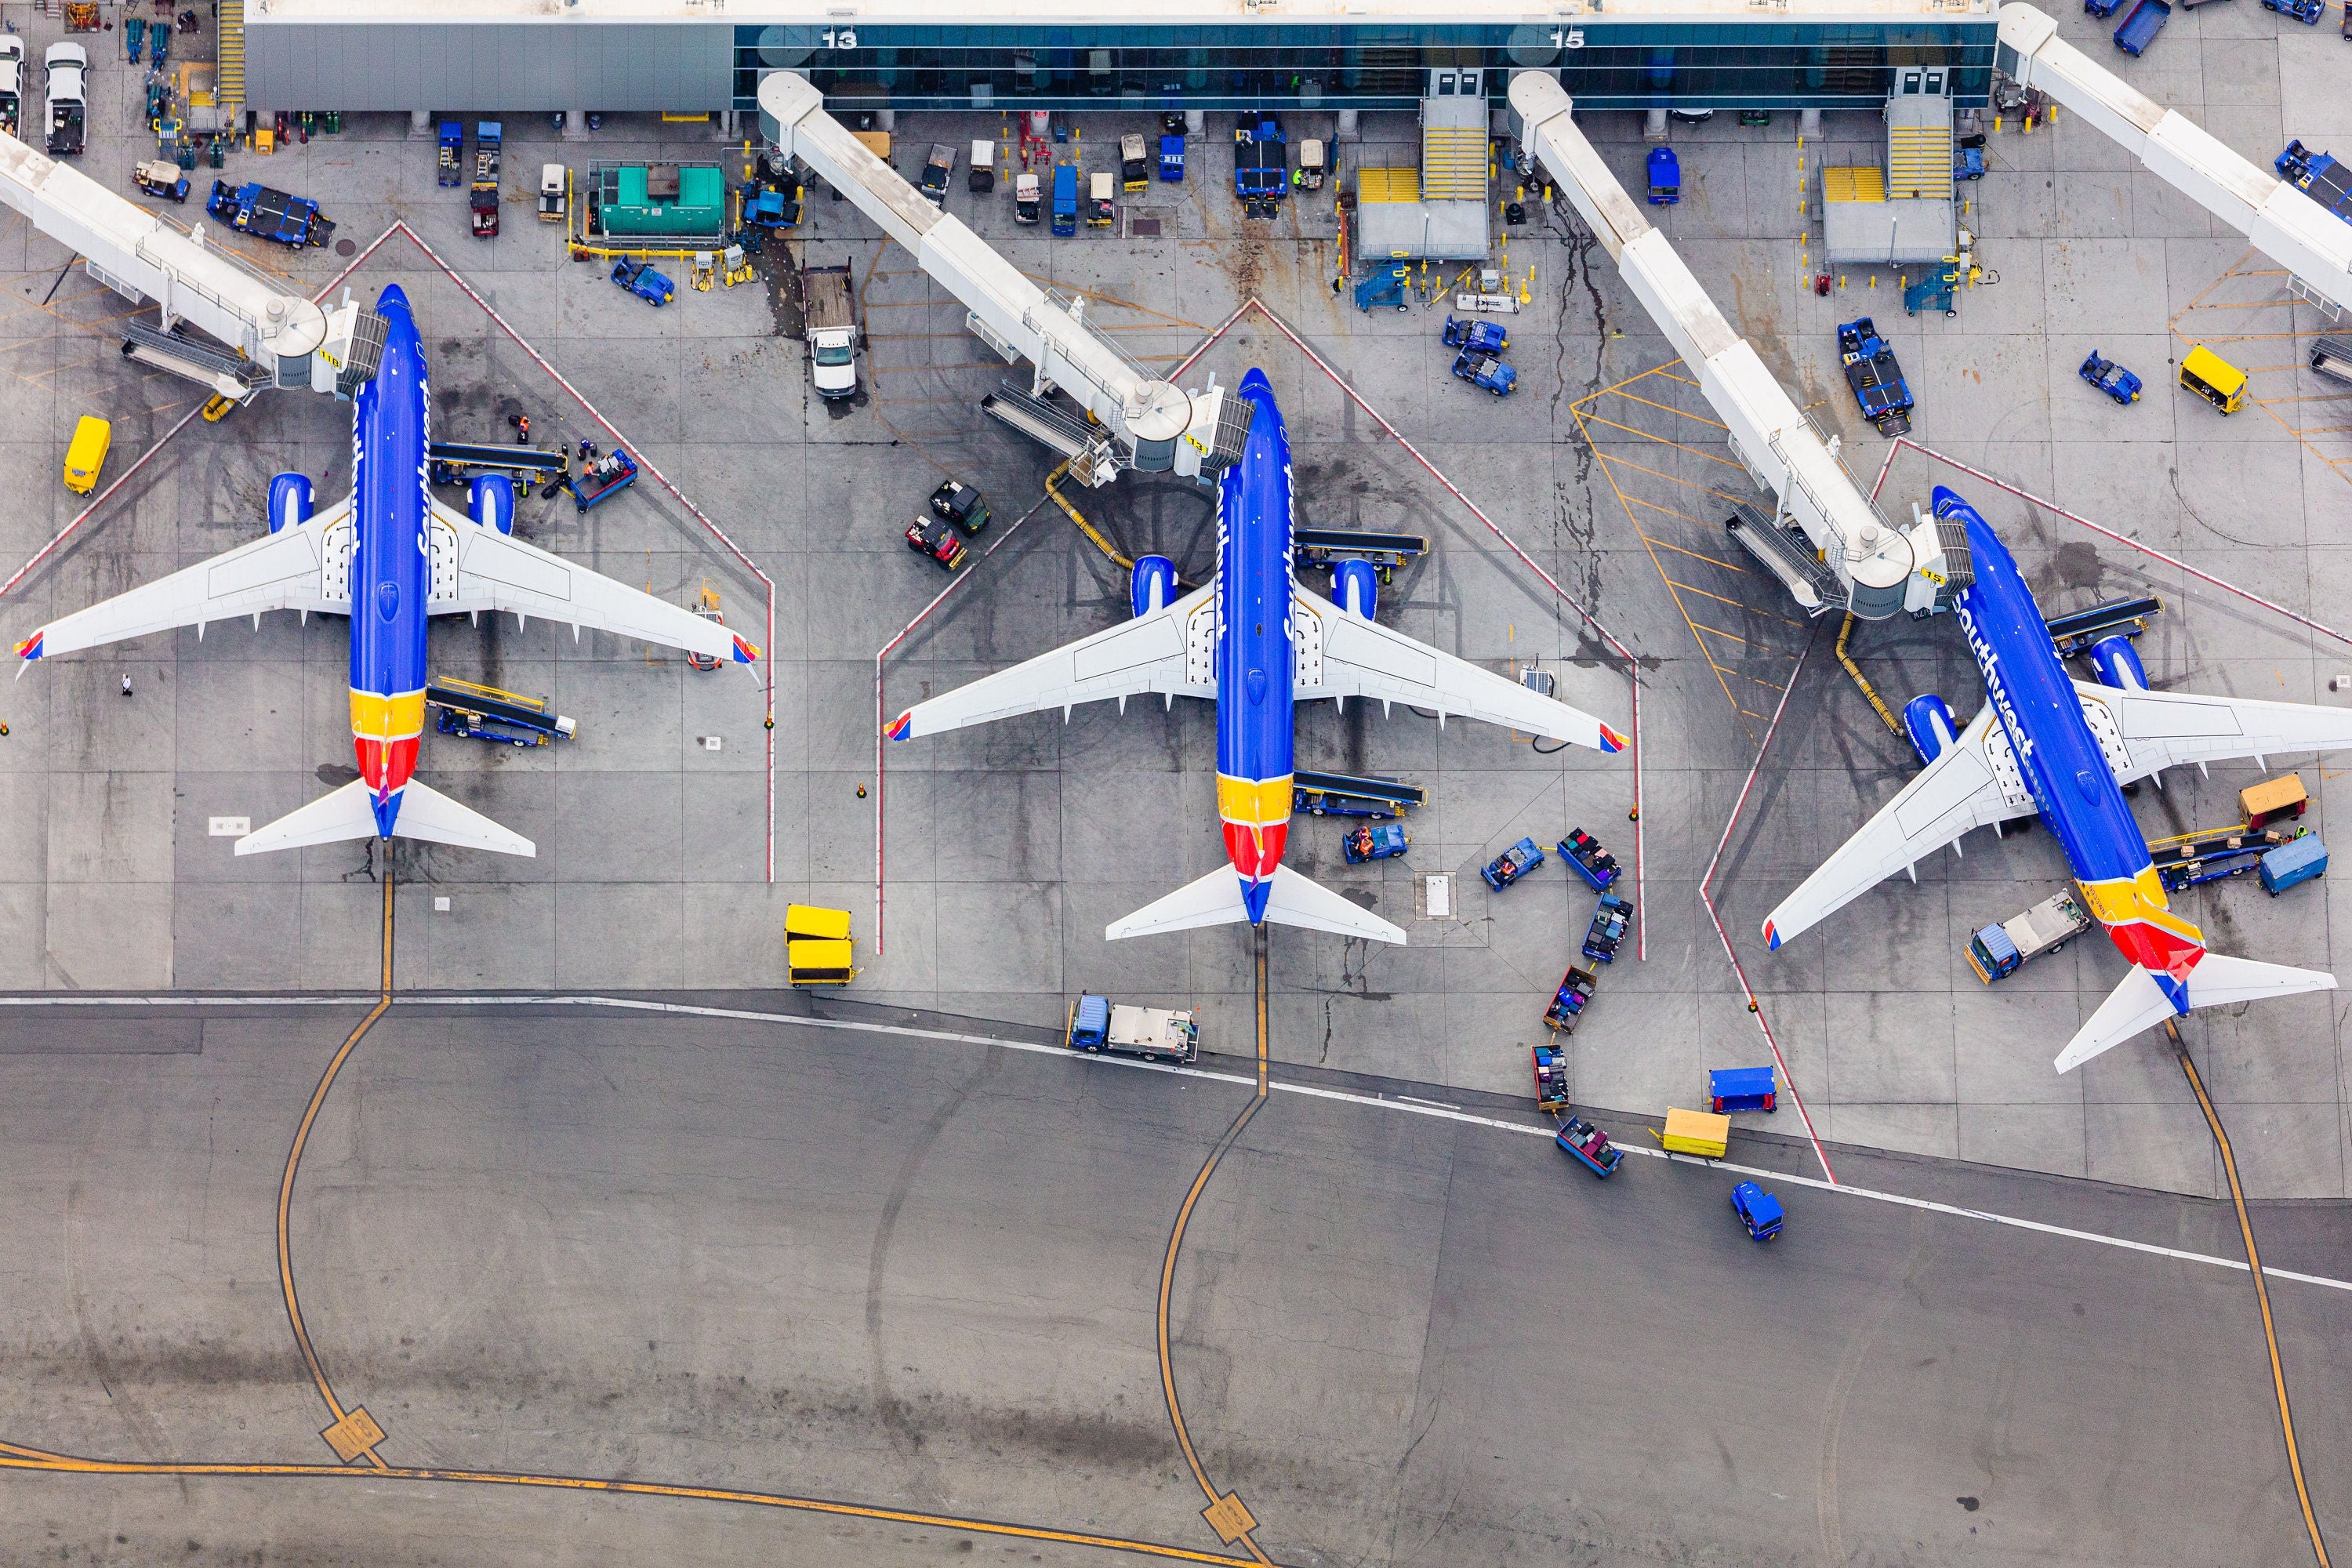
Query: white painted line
x: 1248, y: 1081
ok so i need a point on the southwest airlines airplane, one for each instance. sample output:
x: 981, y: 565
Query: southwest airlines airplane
x: 1255, y: 643
x: 2061, y: 749
x: 388, y: 556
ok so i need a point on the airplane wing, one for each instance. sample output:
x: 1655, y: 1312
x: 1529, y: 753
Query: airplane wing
x: 1171, y: 651
x: 1974, y: 784
x: 478, y: 568
x: 1342, y: 655
x: 2164, y: 728
x: 304, y: 567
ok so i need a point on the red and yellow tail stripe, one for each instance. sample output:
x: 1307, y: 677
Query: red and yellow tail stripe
x: 1256, y: 814
x: 2140, y: 919
x: 384, y: 735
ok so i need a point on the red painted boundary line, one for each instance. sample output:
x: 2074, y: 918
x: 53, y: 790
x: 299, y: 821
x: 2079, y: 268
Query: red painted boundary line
x: 1706, y: 896
x: 1641, y: 892
x: 2104, y: 532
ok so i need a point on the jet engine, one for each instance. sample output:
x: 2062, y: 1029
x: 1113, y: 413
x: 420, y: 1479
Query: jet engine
x: 1152, y: 584
x: 1930, y: 724
x: 290, y: 500
x: 2118, y: 663
x: 1356, y: 586
x: 491, y: 501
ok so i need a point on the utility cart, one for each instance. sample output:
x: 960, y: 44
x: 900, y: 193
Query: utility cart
x: 1758, y: 1210
x: 1102, y: 200
x: 1476, y: 336
x: 2141, y: 25
x: 1874, y: 377
x: 1551, y: 1076
x: 1487, y: 372
x: 1171, y: 159
x: 1700, y: 1132
x: 1027, y: 192
x: 160, y: 177
x: 1588, y: 859
x: 1568, y: 1004
x: 1134, y: 164
x: 645, y: 281
x: 1097, y: 1025
x: 553, y: 185
x: 1589, y: 1147
x: 2106, y: 376
x: 603, y: 479
x: 1065, y: 200
x: 482, y: 201
x: 1313, y: 168
x: 1365, y: 842
x: 958, y: 503
x: 937, y: 170
x: 1740, y: 1089
x: 2291, y: 863
x: 937, y: 538
x: 1512, y: 864
x: 1602, y: 937
x: 2281, y: 797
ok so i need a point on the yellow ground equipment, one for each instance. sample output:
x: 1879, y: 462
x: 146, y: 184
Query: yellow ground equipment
x: 817, y: 946
x: 1695, y: 1132
x: 2214, y: 379
x: 87, y: 453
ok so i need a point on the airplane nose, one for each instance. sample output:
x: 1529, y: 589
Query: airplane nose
x: 1254, y: 894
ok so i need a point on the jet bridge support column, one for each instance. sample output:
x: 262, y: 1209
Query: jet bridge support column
x: 1879, y: 568
x: 1157, y: 426
x: 2313, y: 244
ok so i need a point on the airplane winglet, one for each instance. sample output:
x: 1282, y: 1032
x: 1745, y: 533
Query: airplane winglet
x: 902, y: 727
x: 1610, y: 741
x: 745, y: 652
x: 30, y: 648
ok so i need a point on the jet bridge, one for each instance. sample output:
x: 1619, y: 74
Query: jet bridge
x: 2313, y: 244
x: 1147, y: 423
x: 291, y: 341
x: 1824, y: 520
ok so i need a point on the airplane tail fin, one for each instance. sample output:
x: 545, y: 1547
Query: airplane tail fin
x: 1216, y: 899
x: 2217, y: 981
x: 350, y: 812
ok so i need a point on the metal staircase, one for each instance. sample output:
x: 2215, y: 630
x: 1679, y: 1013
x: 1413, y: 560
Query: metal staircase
x: 1919, y: 147
x: 1454, y: 149
x: 228, y: 86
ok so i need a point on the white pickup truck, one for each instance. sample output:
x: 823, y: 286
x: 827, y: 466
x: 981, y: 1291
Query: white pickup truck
x: 67, y: 66
x: 829, y: 323
x: 12, y: 83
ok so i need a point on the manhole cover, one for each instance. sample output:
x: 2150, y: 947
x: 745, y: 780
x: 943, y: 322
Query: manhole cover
x: 1146, y: 228
x: 347, y: 247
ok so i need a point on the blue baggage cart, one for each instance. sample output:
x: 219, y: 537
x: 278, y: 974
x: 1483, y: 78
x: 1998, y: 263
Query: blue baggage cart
x: 1589, y: 1147
x: 1588, y: 859
x: 1386, y: 287
x: 2298, y: 861
x: 1171, y: 159
x: 2140, y: 27
x: 1740, y: 1089
x: 1610, y: 922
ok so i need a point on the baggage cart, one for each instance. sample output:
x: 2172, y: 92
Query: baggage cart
x: 1740, y: 1089
x: 1588, y: 859
x: 451, y: 170
x: 1608, y: 928
x: 2281, y: 797
x: 1700, y: 1132
x: 1551, y: 1076
x: 1589, y: 1147
x: 2289, y: 864
x: 1568, y: 1004
x: 2139, y: 28
x: 818, y: 949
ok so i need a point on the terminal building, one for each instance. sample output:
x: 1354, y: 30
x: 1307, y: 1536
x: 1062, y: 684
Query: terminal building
x: 705, y: 57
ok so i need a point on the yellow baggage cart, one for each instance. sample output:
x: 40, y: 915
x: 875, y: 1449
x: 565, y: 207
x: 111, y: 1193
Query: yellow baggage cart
x: 1696, y: 1132
x: 87, y: 453
x: 817, y: 946
x: 2214, y: 379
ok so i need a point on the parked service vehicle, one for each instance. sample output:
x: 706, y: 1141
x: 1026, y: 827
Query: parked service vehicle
x: 937, y: 538
x: 1477, y: 336
x: 450, y: 171
x: 1740, y: 1089
x: 2214, y: 379
x: 1065, y: 200
x: 66, y: 69
x: 160, y: 177
x: 475, y: 712
x: 1097, y: 1025
x: 12, y: 83
x: 1512, y: 864
x: 1134, y: 166
x: 1996, y: 951
x: 1366, y: 842
x: 982, y: 178
x: 937, y: 170
x: 2111, y: 378
x: 960, y: 505
x: 1486, y: 372
x: 646, y: 281
x: 1102, y: 200
x: 482, y: 202
x: 1171, y: 159
x: 2140, y: 27
x: 553, y: 180
x: 829, y: 326
x: 1665, y: 177
x: 2291, y: 863
x: 256, y: 209
x: 1028, y: 195
x: 2307, y: 12
x: 1874, y: 377
x: 602, y: 480
x: 1758, y: 1210
x: 86, y: 453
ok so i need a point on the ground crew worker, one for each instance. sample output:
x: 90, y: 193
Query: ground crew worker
x: 126, y: 683
x: 521, y: 423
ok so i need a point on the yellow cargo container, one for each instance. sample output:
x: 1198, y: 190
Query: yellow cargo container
x: 1696, y: 1132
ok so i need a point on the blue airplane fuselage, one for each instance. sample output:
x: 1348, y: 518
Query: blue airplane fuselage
x: 1254, y: 657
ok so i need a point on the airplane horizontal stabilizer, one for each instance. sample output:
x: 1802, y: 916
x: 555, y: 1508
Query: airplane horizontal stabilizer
x: 1216, y: 899
x: 1299, y: 901
x: 2217, y: 981
x: 350, y: 812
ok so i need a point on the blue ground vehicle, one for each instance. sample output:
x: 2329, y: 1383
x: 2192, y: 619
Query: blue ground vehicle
x: 2140, y: 27
x: 1568, y: 1004
x: 451, y: 170
x: 1480, y: 337
x: 2307, y: 12
x: 1968, y: 163
x: 1875, y: 378
x: 1588, y: 859
x: 1608, y: 929
x: 1367, y: 842
x: 1589, y: 1147
x: 1512, y: 864
x: 486, y: 713
x: 1387, y: 287
x: 1353, y: 795
x: 1065, y: 199
x: 2295, y: 862
x: 1487, y: 372
x: 2102, y: 8
x: 766, y: 207
x: 1172, y: 160
x: 2318, y: 176
x: 1758, y: 1210
x: 2111, y: 378
x: 641, y: 279
x: 1740, y: 1089
x: 1261, y: 162
x: 1665, y: 177
x: 603, y: 478
x: 254, y: 209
